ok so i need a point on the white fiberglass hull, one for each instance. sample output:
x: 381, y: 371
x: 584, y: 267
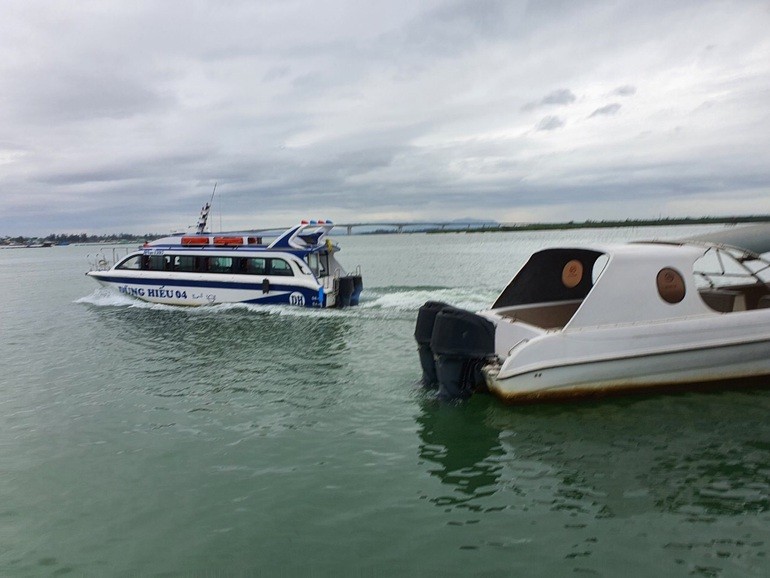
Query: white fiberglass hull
x: 196, y: 290
x: 611, y: 372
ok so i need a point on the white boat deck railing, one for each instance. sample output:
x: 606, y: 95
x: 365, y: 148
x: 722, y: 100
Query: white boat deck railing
x: 100, y: 262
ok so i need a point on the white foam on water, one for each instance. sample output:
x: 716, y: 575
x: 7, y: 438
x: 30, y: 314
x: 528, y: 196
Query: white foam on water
x: 373, y: 302
x: 105, y: 297
x: 405, y: 299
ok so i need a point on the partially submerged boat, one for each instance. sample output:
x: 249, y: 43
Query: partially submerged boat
x: 299, y: 267
x: 585, y: 321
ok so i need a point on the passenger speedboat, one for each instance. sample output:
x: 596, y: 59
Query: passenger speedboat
x: 299, y: 267
x: 582, y: 321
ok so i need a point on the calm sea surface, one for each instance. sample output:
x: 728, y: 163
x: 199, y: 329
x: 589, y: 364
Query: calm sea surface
x: 237, y: 441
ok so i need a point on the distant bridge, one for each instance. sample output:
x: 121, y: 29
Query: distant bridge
x: 423, y: 225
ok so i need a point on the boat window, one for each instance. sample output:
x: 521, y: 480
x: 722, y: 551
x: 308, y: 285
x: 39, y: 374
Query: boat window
x: 599, y: 266
x: 256, y: 266
x: 280, y: 267
x: 184, y: 263
x: 303, y: 267
x: 572, y: 273
x: 670, y: 285
x: 760, y: 268
x: 134, y: 263
x: 315, y: 265
x: 157, y: 263
x: 220, y: 264
x: 719, y: 268
x: 239, y: 265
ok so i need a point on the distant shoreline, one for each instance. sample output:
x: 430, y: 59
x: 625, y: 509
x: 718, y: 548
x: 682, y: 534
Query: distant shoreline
x: 482, y: 227
x: 609, y: 224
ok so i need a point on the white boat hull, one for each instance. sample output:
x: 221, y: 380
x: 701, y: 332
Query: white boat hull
x: 208, y: 290
x: 663, y: 369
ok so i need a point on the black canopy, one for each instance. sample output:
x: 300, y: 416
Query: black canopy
x: 754, y: 238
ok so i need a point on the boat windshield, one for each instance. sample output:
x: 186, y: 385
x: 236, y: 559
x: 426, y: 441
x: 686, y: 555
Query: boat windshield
x: 729, y: 280
x: 721, y: 267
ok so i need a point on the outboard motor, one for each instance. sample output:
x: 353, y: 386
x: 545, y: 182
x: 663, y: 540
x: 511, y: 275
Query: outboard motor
x: 345, y: 287
x: 461, y: 343
x: 358, y: 286
x: 423, y: 330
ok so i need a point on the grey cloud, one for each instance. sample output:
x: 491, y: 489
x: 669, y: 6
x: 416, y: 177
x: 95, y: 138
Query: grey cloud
x: 489, y: 17
x: 276, y: 73
x: 563, y: 96
x: 550, y: 123
x: 626, y: 90
x: 607, y: 110
x: 126, y: 169
x: 80, y: 94
x: 604, y: 183
x: 446, y: 30
x: 557, y: 97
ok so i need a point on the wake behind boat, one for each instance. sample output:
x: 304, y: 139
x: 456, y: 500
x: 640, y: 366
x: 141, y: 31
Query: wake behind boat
x: 299, y: 267
x: 584, y: 321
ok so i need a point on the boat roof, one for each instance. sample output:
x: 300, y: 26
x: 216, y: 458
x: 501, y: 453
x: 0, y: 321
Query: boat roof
x: 306, y: 237
x: 753, y: 238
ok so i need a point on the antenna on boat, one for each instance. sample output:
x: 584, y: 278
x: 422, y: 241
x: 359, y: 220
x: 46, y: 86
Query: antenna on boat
x: 205, y: 213
x: 220, y: 214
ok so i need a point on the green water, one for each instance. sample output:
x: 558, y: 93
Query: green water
x: 142, y: 440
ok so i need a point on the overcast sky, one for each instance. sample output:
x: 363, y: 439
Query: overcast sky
x: 121, y: 116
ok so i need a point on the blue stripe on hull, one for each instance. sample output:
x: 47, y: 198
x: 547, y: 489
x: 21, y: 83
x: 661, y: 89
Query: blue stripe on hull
x: 184, y: 292
x: 257, y: 285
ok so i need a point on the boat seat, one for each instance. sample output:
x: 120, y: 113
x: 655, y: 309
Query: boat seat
x: 550, y: 316
x: 724, y: 300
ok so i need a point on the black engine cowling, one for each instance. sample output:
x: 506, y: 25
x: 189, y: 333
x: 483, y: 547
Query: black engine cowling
x: 423, y: 331
x: 460, y: 343
x: 358, y: 286
x: 345, y: 286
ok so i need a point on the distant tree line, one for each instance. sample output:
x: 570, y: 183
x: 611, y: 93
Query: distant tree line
x: 65, y: 239
x: 590, y: 224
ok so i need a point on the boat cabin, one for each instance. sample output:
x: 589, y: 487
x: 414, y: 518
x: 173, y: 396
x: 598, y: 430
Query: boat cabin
x: 301, y: 250
x: 571, y: 288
